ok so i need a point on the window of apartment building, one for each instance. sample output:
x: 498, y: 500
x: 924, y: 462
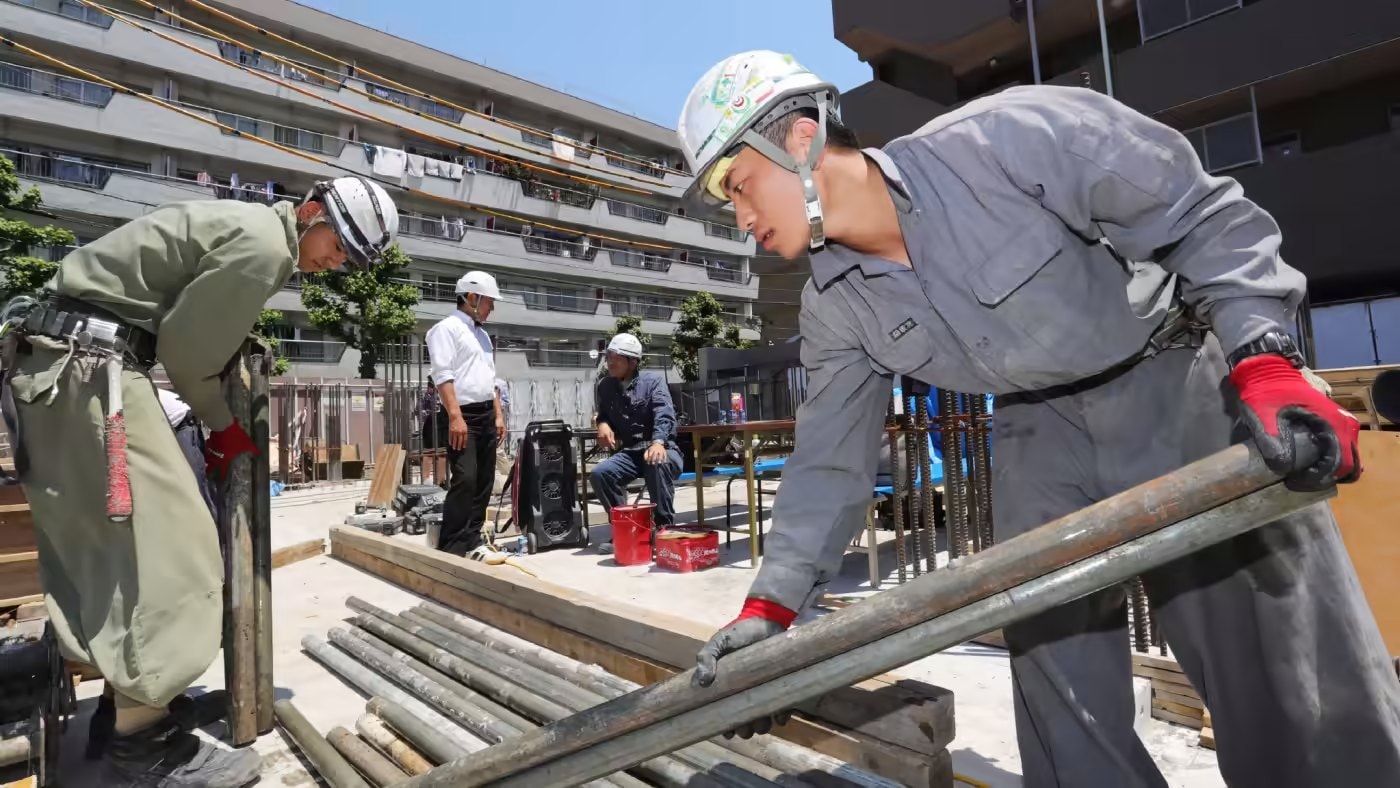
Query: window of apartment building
x: 78, y: 11
x: 1357, y: 334
x: 1227, y: 144
x: 299, y: 138
x: 1159, y: 17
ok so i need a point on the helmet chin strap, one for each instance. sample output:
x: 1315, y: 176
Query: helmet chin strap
x: 815, y: 219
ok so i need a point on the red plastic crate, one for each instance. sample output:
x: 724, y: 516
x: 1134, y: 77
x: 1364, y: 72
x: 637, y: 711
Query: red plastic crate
x: 686, y: 551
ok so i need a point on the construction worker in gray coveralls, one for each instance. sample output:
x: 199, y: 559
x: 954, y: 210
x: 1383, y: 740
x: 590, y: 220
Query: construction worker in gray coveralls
x: 1054, y: 247
x: 138, y: 596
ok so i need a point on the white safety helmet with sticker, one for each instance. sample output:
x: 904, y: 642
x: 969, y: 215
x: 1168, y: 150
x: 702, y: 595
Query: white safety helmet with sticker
x: 626, y: 345
x: 730, y: 107
x: 479, y: 282
x: 363, y: 216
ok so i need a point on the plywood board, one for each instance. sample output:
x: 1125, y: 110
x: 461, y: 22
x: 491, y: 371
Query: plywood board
x: 388, y: 470
x: 1367, y: 513
x: 910, y: 714
x: 301, y: 551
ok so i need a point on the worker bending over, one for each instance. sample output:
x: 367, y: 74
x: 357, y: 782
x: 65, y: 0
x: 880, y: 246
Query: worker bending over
x: 1059, y: 249
x: 464, y: 371
x: 140, y: 598
x: 637, y: 422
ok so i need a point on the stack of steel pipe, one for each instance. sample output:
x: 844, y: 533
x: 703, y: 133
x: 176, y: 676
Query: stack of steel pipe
x: 442, y: 686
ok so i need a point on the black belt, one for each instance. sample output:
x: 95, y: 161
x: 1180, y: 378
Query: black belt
x: 88, y: 326
x: 478, y: 407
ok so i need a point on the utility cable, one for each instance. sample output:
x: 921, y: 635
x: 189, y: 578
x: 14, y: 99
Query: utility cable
x: 415, y: 91
x: 119, y: 16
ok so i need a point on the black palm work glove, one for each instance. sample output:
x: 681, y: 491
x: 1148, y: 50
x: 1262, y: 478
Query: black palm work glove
x: 758, y: 620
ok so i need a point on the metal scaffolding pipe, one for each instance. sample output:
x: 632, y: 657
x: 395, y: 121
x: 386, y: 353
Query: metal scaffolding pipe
x: 1086, y: 551
x: 662, y: 770
x: 371, y: 684
x: 442, y: 698
x: 260, y: 412
x: 236, y: 522
x: 771, y: 750
x: 367, y: 761
x: 424, y: 737
x: 516, y: 722
x: 332, y: 768
x: 374, y: 731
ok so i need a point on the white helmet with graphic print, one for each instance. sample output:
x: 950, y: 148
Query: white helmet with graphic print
x: 362, y: 214
x: 730, y: 107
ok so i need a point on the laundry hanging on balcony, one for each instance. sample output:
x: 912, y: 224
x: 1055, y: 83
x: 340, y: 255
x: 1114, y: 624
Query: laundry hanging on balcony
x: 390, y: 162
x: 415, y: 165
x: 563, y: 147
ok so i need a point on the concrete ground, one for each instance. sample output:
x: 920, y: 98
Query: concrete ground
x: 309, y: 598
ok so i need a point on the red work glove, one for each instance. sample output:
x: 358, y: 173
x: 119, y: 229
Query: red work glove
x: 225, y: 446
x: 1277, y: 401
x: 758, y: 620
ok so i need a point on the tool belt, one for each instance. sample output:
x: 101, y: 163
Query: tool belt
x: 1179, y: 329
x: 90, y: 328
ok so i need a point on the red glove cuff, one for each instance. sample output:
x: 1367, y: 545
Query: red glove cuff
x: 1265, y: 368
x: 762, y: 608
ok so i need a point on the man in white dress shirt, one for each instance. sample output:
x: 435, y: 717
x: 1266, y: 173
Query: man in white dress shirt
x: 464, y: 371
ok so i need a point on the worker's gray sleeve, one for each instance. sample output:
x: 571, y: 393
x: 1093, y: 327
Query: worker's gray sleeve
x: 829, y: 481
x: 1107, y: 170
x: 663, y: 413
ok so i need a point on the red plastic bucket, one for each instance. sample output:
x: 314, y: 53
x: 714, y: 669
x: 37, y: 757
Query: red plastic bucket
x: 631, y: 527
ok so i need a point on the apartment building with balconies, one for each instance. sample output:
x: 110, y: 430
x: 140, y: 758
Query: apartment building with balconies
x: 572, y: 205
x: 1297, y: 100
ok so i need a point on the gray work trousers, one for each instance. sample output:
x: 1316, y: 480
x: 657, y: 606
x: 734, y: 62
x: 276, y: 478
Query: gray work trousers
x: 1271, y: 627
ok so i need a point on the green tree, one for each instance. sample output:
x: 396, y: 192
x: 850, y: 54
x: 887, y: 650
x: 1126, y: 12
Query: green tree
x: 265, y: 330
x: 364, y: 309
x: 21, y: 273
x: 702, y: 324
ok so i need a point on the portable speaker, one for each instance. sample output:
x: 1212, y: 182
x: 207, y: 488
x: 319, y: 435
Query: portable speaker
x: 545, y: 490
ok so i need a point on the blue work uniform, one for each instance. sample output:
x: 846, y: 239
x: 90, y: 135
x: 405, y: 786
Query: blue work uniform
x: 1053, y: 233
x: 640, y: 413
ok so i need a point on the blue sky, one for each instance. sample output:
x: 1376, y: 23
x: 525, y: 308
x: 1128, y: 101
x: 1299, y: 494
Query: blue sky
x: 637, y: 56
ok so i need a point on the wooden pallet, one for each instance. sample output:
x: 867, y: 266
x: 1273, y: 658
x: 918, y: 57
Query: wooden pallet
x: 1207, y: 733
x: 1174, y: 700
x: 19, y: 557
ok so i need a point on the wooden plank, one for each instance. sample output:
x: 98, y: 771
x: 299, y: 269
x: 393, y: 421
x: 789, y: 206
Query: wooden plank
x: 19, y: 580
x: 908, y: 713
x: 1177, y: 689
x: 301, y: 551
x: 1207, y: 739
x: 1177, y: 708
x: 15, y: 558
x: 1366, y: 513
x: 1177, y: 719
x: 388, y: 470
x: 11, y: 494
x: 17, y: 601
x: 889, y: 760
x: 1160, y: 663
x: 1168, y: 676
x: 994, y: 639
x: 1183, y: 700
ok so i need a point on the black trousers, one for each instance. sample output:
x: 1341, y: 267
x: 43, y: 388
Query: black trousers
x: 473, y: 471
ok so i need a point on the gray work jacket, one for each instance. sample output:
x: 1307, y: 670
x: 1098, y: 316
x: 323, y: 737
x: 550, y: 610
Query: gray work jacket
x: 1050, y: 229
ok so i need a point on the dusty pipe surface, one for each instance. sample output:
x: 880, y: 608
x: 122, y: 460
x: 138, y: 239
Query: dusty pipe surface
x: 367, y: 761
x: 329, y: 765
x: 776, y: 752
x: 373, y: 730
x: 428, y: 740
x: 672, y: 713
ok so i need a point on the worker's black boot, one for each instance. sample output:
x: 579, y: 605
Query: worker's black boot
x: 188, y: 712
x: 164, y: 756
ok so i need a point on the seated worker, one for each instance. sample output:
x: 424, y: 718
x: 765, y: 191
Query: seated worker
x: 637, y: 422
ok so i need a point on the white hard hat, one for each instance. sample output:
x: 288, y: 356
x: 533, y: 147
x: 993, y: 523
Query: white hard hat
x: 732, y: 104
x: 479, y: 282
x: 626, y: 345
x: 362, y: 214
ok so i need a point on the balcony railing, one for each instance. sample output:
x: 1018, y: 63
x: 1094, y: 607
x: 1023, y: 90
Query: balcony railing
x: 572, y: 249
x: 310, y: 351
x: 415, y: 103
x: 69, y: 9
x: 721, y: 270
x: 642, y: 310
x: 300, y: 72
x: 47, y: 83
x: 636, y: 166
x: 66, y: 168
x: 724, y: 231
x: 644, y: 213
x: 640, y: 260
x: 429, y: 227
x: 292, y: 137
x: 559, y: 194
x: 557, y: 301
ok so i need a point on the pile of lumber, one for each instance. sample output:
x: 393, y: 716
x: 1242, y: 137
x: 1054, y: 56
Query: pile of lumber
x: 1174, y: 700
x: 19, y: 559
x: 893, y: 727
x: 442, y: 685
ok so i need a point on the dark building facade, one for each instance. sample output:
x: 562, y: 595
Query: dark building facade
x: 1296, y: 99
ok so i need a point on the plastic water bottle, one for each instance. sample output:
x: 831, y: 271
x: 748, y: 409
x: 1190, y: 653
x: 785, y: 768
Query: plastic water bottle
x: 522, y: 544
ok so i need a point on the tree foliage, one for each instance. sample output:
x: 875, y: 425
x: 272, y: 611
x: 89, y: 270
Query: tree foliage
x: 21, y: 273
x: 364, y: 309
x: 265, y: 330
x: 702, y: 324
